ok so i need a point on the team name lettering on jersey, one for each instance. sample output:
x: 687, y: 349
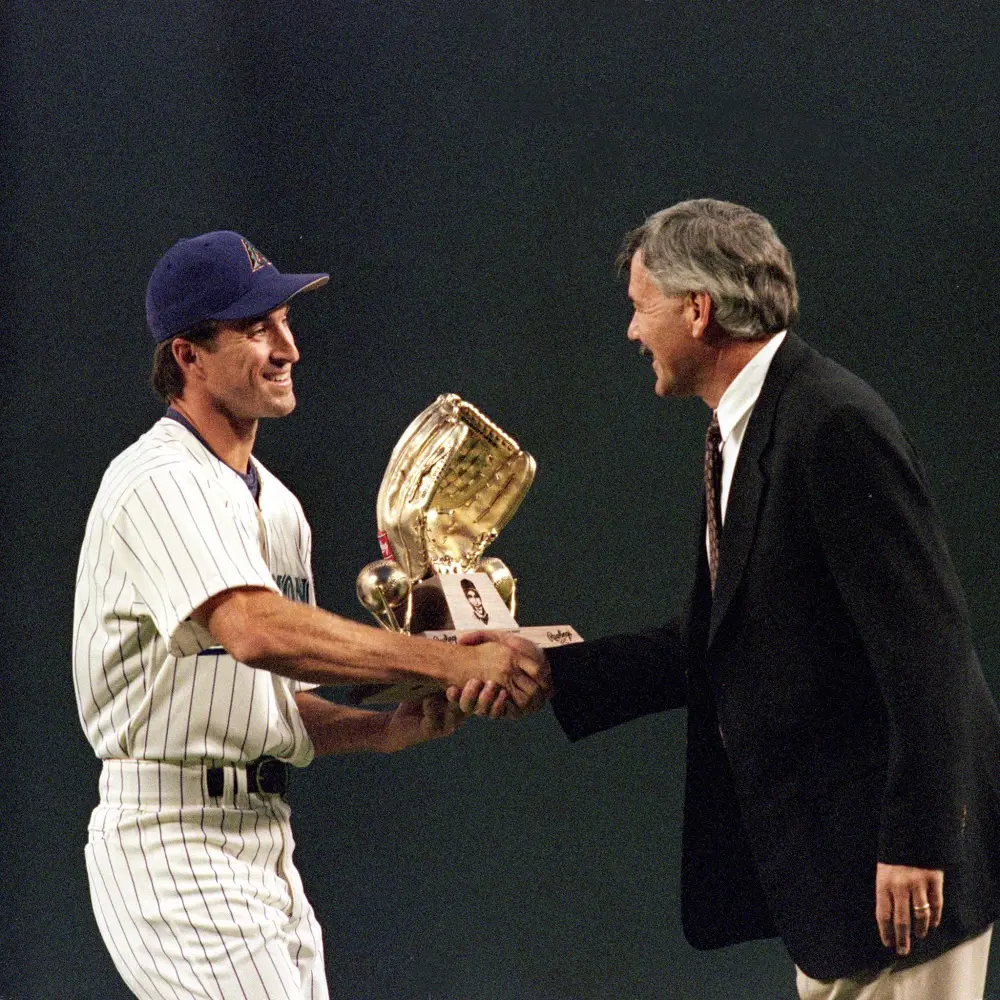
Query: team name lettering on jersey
x: 295, y: 588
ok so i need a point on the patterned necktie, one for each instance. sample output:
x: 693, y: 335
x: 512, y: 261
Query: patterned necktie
x: 713, y: 493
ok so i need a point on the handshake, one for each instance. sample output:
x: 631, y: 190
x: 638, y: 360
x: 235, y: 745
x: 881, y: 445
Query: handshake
x: 513, y: 679
x: 496, y: 675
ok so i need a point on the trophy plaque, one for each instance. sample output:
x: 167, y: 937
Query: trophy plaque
x: 454, y: 480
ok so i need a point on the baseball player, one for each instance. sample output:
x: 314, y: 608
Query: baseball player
x: 197, y: 640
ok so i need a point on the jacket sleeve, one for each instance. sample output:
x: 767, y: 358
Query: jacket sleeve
x: 885, y: 548
x: 609, y: 681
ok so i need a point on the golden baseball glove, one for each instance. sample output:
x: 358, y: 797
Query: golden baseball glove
x: 453, y: 481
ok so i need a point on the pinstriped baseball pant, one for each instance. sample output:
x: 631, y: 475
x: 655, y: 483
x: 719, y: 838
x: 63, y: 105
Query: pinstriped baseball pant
x: 197, y: 896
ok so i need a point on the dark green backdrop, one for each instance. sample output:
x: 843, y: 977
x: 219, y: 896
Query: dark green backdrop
x: 466, y: 172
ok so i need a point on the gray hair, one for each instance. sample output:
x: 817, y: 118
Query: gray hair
x: 729, y: 252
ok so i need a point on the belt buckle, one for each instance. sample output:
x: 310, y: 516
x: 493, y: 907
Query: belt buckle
x: 266, y: 769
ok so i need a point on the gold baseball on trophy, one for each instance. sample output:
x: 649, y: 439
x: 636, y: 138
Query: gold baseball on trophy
x: 383, y: 587
x: 501, y: 578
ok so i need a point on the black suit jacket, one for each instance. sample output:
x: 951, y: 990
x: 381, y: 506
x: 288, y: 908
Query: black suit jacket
x: 837, y: 712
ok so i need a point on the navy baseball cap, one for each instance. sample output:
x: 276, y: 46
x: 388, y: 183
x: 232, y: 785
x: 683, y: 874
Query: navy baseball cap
x: 219, y: 275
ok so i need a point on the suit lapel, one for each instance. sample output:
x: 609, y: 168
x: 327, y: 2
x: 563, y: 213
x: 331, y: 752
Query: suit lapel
x: 749, y: 484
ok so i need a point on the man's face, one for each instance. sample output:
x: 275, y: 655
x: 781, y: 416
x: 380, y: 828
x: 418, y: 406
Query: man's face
x: 248, y: 372
x: 664, y: 327
x: 472, y: 596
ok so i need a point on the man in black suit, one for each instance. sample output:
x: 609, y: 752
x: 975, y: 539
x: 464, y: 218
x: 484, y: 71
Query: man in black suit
x: 843, y: 782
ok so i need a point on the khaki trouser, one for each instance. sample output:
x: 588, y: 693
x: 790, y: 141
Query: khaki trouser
x: 958, y: 974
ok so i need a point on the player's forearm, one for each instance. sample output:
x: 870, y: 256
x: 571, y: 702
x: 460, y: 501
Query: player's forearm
x: 263, y: 630
x: 341, y: 729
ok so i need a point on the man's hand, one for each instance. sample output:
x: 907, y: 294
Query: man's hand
x: 907, y: 899
x: 530, y: 690
x: 335, y: 728
x: 513, y: 664
x: 415, y: 722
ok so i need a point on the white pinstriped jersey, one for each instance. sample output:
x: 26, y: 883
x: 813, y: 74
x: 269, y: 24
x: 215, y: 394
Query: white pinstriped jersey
x: 171, y: 526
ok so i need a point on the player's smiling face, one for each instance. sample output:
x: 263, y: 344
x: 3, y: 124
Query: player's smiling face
x: 248, y: 375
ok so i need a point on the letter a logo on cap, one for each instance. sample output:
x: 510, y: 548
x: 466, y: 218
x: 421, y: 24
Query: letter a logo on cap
x: 257, y: 259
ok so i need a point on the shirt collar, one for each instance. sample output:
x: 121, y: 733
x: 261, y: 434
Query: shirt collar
x: 738, y: 400
x: 250, y: 477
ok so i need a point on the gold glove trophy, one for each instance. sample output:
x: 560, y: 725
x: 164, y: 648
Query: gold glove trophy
x: 453, y: 481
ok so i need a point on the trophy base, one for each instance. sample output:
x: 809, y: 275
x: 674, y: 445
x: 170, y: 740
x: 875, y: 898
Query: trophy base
x: 543, y: 636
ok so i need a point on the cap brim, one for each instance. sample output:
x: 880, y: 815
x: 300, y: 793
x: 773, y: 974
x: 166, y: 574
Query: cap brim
x: 270, y: 290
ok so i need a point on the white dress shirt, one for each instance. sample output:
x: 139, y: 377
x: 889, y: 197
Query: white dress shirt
x: 735, y: 407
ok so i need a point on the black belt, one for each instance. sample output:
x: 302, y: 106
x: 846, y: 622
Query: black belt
x: 267, y: 776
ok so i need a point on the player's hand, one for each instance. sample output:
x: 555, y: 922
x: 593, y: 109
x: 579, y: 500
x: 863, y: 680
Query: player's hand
x: 482, y: 698
x: 531, y: 689
x: 908, y: 901
x: 415, y: 722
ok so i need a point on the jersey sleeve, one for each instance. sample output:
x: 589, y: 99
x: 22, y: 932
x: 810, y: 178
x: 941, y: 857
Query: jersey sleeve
x: 304, y: 536
x: 182, y: 540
